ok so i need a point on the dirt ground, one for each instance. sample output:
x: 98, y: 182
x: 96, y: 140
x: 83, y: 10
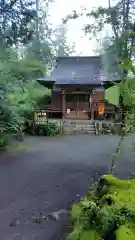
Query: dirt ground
x: 41, y: 176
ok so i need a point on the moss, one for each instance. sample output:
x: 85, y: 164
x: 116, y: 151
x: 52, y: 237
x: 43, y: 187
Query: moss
x: 76, y: 211
x: 120, y: 192
x: 112, y: 181
x: 90, y: 235
x: 86, y: 203
x: 110, y: 207
x: 76, y: 233
x: 124, y: 233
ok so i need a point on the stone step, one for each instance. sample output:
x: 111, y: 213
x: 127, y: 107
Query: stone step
x: 78, y: 121
x: 75, y: 130
x: 79, y: 124
x: 68, y: 130
x: 79, y: 127
x: 78, y: 132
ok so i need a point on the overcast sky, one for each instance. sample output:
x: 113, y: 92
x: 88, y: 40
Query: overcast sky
x: 62, y: 8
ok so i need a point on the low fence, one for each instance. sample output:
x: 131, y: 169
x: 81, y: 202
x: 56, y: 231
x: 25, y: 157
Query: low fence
x: 108, y: 128
x: 100, y: 127
x: 66, y: 126
x: 40, y: 117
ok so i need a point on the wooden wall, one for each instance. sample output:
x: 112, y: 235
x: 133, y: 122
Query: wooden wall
x: 97, y: 96
x: 83, y: 105
x: 57, y: 100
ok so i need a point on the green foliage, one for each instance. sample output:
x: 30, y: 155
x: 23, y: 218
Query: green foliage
x: 40, y: 51
x: 76, y: 211
x: 19, y: 91
x: 125, y: 233
x: 91, y: 234
x: 48, y: 129
x: 101, y: 17
x: 26, y: 51
x: 23, y: 70
x: 106, y: 213
x: 4, y: 141
x: 76, y: 233
x: 118, y: 46
x: 61, y: 46
x: 112, y: 95
x: 15, y: 20
x: 25, y: 99
x: 52, y: 129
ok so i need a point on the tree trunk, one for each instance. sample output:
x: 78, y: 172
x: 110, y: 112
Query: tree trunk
x: 121, y: 100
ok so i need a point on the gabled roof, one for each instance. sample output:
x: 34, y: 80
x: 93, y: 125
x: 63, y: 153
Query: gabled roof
x: 77, y: 70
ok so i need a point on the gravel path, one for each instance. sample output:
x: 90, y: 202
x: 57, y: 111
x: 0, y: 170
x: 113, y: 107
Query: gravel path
x: 46, y: 175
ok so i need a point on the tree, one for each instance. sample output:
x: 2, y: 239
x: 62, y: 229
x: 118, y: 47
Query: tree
x: 108, y: 54
x: 19, y: 91
x: 40, y: 46
x: 62, y: 47
x: 16, y: 79
x: 15, y: 16
x: 120, y: 18
x: 40, y: 51
x: 122, y: 23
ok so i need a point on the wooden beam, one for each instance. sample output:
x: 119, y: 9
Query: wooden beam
x: 75, y: 92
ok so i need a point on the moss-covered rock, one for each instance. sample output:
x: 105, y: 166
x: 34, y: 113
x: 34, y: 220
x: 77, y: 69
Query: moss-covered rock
x: 76, y: 233
x: 76, y: 211
x: 109, y: 210
x: 90, y: 235
x: 124, y: 233
x: 120, y: 193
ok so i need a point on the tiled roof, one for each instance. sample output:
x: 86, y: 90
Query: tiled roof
x: 78, y: 70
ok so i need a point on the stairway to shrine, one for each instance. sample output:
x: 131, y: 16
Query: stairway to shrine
x: 79, y: 127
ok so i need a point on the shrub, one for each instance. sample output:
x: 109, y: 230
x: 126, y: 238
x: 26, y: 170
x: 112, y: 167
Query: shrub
x: 48, y: 129
x: 4, y: 141
x: 51, y: 129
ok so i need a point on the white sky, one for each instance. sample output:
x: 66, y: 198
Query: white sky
x: 61, y: 8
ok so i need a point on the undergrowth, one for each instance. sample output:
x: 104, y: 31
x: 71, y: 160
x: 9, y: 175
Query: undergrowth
x: 48, y: 129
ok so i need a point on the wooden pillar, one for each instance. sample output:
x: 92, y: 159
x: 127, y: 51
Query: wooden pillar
x: 63, y: 109
x: 90, y: 105
x: 63, y: 104
x: 92, y: 108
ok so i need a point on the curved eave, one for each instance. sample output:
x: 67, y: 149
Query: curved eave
x: 46, y: 83
x: 107, y: 84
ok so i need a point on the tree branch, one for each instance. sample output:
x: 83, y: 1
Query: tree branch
x: 12, y: 3
x: 112, y: 20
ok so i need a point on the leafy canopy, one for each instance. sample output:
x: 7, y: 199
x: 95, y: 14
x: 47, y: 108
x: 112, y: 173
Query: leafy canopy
x: 16, y: 16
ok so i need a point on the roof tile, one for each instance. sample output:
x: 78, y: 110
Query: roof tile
x: 78, y: 70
